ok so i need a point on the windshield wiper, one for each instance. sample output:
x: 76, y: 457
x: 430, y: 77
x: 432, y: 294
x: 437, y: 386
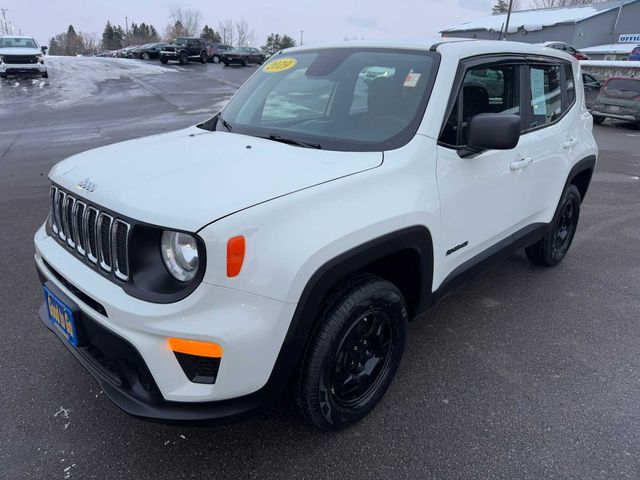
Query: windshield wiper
x: 291, y: 141
x: 224, y: 123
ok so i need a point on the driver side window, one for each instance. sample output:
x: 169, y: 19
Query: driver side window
x: 485, y: 89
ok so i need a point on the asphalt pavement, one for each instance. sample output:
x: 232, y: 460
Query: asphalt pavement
x: 526, y: 372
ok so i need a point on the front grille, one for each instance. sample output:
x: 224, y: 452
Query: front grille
x: 20, y: 59
x: 95, y: 235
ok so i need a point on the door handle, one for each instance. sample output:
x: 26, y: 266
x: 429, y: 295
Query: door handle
x: 518, y: 164
x: 570, y: 143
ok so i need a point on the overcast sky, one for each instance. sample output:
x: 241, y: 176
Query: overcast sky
x: 322, y: 21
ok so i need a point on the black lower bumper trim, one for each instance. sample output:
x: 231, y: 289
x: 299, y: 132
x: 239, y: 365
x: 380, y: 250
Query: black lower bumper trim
x: 154, y: 407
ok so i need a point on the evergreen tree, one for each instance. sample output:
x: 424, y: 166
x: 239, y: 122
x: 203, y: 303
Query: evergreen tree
x: 54, y: 47
x: 501, y: 6
x: 210, y: 35
x: 107, y: 37
x: 276, y: 42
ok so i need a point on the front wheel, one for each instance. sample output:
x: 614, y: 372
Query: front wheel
x: 164, y: 60
x: 245, y: 62
x: 45, y: 75
x: 183, y: 58
x: 598, y: 120
x: 552, y: 248
x: 203, y: 57
x: 145, y: 56
x: 354, y: 354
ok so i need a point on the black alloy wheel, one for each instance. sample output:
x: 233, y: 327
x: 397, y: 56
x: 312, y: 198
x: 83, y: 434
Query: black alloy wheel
x: 145, y: 56
x: 354, y: 353
x: 553, y: 247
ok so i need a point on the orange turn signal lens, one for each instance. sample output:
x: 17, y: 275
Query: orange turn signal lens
x: 235, y: 255
x: 195, y: 347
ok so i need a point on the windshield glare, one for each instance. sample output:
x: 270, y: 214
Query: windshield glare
x: 8, y: 42
x: 339, y: 99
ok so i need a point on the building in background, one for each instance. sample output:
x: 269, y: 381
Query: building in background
x: 579, y: 26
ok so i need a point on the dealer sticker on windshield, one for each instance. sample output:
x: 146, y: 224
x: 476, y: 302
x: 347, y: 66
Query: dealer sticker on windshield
x: 280, y: 65
x: 411, y: 80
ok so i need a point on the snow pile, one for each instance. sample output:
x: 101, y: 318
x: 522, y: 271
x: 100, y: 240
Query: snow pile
x: 614, y: 48
x: 610, y: 63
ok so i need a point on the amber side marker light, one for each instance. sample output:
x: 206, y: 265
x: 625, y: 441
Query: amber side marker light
x: 235, y: 255
x: 195, y: 347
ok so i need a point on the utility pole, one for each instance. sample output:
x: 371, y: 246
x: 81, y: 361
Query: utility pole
x: 126, y: 27
x: 301, y: 34
x: 5, y: 28
x: 506, y: 28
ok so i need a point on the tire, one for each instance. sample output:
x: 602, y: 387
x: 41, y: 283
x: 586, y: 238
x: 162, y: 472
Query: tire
x: 45, y: 75
x: 360, y: 339
x: 164, y: 60
x: 552, y: 248
x: 183, y: 58
x: 598, y: 120
x: 203, y: 57
x: 216, y: 59
x: 261, y: 61
x: 3, y: 75
x: 245, y: 62
x: 145, y: 56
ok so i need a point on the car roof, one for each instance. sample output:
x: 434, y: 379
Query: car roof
x: 461, y: 47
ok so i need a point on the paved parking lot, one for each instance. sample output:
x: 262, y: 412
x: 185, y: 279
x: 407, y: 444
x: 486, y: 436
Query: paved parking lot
x: 526, y: 372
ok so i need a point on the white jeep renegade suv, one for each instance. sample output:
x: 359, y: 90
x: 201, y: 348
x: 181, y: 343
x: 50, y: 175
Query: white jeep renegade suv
x: 289, y: 239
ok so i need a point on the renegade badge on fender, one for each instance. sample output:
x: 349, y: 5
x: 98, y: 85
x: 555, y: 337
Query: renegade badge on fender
x: 288, y: 240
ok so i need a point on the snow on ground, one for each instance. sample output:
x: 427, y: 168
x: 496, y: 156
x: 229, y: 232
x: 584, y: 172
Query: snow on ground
x: 72, y: 79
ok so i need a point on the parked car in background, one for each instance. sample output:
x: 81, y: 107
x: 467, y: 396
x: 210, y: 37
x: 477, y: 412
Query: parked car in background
x: 620, y: 99
x: 124, y: 53
x: 565, y: 47
x: 635, y: 54
x: 243, y: 56
x: 184, y: 49
x: 592, y: 88
x: 21, y: 55
x: 150, y: 51
x: 215, y: 50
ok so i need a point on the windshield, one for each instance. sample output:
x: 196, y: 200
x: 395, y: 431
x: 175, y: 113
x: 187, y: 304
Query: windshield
x: 624, y: 85
x: 8, y: 42
x: 336, y: 99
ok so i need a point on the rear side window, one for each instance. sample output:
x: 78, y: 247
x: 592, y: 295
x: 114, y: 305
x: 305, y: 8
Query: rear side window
x: 571, y: 87
x: 546, y: 94
x: 485, y: 89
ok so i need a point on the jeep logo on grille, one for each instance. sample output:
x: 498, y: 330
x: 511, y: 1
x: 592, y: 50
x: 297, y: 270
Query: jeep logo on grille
x: 87, y: 185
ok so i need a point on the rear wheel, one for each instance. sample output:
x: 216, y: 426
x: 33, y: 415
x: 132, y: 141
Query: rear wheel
x: 164, y: 60
x: 203, y: 57
x: 183, y: 58
x: 145, y: 56
x: 245, y: 62
x: 45, y: 75
x: 598, y: 120
x: 216, y: 59
x: 552, y: 248
x: 354, y: 353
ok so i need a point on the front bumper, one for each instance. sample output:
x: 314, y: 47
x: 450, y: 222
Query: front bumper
x: 132, y: 334
x: 22, y: 69
x: 232, y: 60
x: 169, y: 55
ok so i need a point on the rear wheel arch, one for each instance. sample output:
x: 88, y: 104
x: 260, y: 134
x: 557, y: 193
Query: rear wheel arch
x: 580, y: 175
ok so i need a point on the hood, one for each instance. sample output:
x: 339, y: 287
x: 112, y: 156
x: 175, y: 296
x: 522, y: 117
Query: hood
x: 20, y: 51
x: 189, y: 178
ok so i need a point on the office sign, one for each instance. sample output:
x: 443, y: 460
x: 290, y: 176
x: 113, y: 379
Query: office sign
x: 630, y: 38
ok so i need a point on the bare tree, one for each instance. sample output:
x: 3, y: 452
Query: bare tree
x: 245, y: 37
x: 562, y: 3
x: 190, y: 21
x: 91, y: 42
x: 227, y: 32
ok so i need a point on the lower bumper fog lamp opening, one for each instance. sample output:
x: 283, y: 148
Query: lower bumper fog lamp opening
x: 200, y: 361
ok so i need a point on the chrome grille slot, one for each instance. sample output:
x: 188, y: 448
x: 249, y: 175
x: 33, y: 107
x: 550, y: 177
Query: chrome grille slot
x: 61, y: 197
x: 52, y: 200
x: 90, y: 227
x: 104, y: 241
x: 120, y: 247
x: 78, y: 227
x: 95, y: 237
x: 69, y: 206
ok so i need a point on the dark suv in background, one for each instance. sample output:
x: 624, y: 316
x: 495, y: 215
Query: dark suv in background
x: 215, y: 51
x: 620, y: 99
x: 184, y: 49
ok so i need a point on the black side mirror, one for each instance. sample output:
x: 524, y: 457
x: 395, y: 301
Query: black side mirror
x: 44, y: 49
x: 492, y: 131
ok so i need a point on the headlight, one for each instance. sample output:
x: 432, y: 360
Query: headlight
x: 180, y: 255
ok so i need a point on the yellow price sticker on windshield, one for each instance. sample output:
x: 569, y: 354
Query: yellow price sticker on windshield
x: 280, y: 65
